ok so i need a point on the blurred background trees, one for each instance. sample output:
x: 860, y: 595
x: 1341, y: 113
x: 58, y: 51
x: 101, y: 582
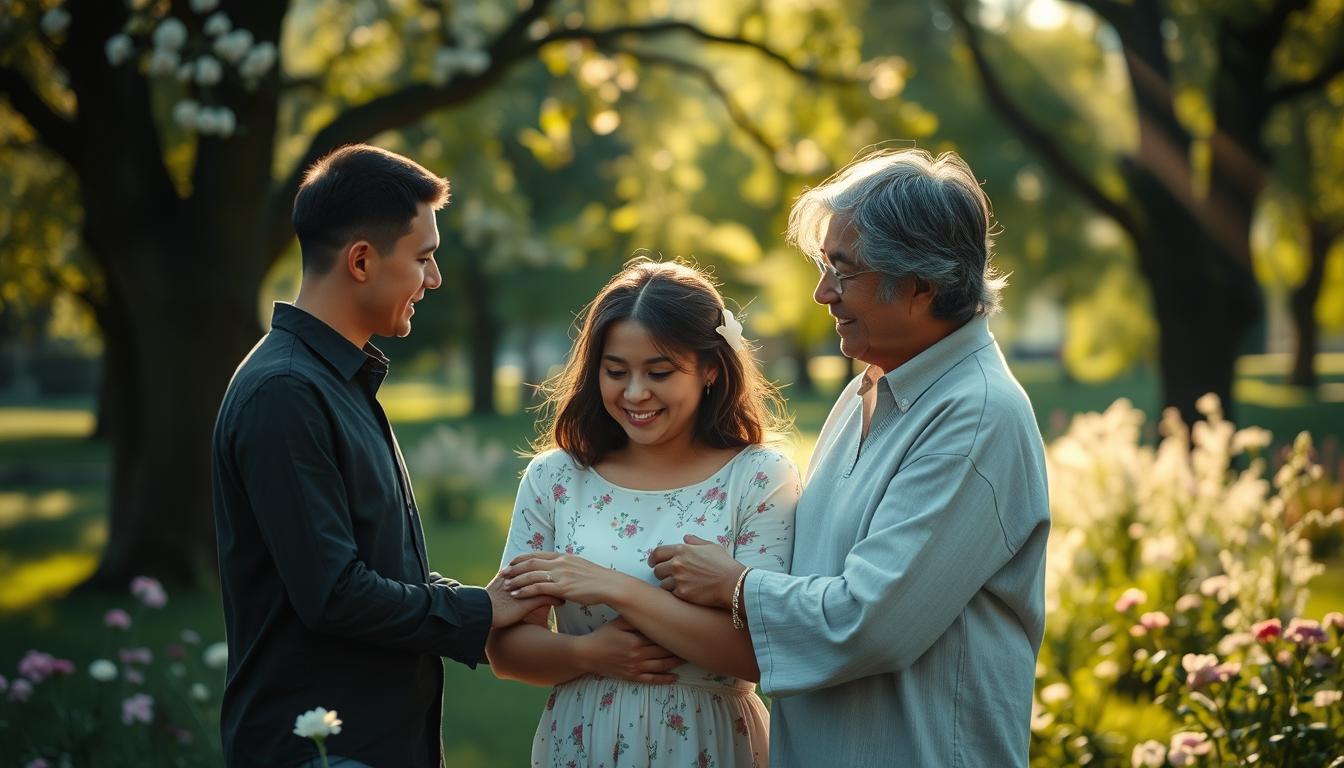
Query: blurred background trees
x: 1166, y: 175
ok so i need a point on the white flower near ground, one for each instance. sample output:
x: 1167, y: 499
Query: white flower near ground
x: 258, y: 60
x: 199, y: 692
x: 218, y: 24
x: 55, y: 22
x: 317, y: 724
x: 164, y: 62
x: 204, y: 6
x: 1149, y: 754
x: 1326, y: 698
x: 216, y: 655
x: 118, y: 48
x: 233, y: 46
x: 171, y: 34
x: 208, y: 71
x: 102, y: 670
x: 1187, y: 747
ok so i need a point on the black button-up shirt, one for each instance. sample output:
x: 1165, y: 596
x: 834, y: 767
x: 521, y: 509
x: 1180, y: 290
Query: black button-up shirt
x: 328, y: 597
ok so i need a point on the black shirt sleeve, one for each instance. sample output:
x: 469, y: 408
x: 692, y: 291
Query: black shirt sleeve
x: 286, y: 456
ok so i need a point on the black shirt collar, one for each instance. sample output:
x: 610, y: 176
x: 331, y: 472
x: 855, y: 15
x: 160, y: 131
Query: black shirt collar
x: 324, y: 340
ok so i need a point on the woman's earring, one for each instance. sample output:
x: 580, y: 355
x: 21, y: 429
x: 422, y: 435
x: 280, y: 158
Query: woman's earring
x: 708, y: 384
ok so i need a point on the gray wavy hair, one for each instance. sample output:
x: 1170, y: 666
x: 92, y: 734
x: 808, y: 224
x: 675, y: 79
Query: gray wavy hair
x: 915, y: 215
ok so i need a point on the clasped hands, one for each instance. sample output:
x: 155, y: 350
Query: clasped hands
x: 698, y: 571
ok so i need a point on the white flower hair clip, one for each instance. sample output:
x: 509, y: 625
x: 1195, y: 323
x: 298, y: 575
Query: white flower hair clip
x: 731, y: 331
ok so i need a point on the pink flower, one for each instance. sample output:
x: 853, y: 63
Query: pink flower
x: 537, y: 541
x: 117, y: 619
x: 135, y: 656
x: 20, y: 690
x: 557, y: 492
x: 703, y: 759
x: 149, y: 592
x: 36, y: 665
x: 1333, y: 619
x: 1187, y: 747
x: 1265, y: 631
x: 138, y: 708
x: 1187, y: 603
x: 631, y: 529
x: 63, y: 667
x: 745, y: 538
x: 676, y: 721
x: 607, y: 699
x: 1305, y: 632
x: 740, y: 725
x: 577, y: 735
x: 761, y: 477
x: 715, y: 494
x: 1129, y: 598
x: 132, y: 676
x: 550, y: 702
x: 4, y: 684
x: 1203, y: 669
x: 1154, y: 620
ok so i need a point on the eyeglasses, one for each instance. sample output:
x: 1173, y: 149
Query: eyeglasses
x: 837, y: 278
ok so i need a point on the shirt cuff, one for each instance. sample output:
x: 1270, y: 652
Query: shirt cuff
x: 753, y: 602
x: 471, y: 617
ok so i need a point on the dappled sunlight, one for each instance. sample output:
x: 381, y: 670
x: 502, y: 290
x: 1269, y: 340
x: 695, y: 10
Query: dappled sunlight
x: 19, y: 508
x: 23, y: 423
x: 26, y: 584
x: 1279, y: 364
x: 1269, y: 394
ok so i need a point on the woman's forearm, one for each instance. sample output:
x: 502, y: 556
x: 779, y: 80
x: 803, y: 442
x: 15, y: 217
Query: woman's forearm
x: 702, y: 636
x: 534, y: 655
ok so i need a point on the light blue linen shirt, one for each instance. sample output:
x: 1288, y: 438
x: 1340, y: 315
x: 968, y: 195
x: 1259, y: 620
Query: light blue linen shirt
x: 907, y: 630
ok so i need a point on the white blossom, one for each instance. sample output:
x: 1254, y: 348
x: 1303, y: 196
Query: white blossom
x: 171, y: 34
x: 186, y: 73
x: 317, y: 724
x: 102, y: 670
x: 1055, y: 693
x: 55, y: 22
x: 208, y: 71
x: 1149, y: 754
x: 185, y: 113
x: 163, y: 62
x: 259, y: 60
x: 218, y: 24
x: 216, y: 655
x: 233, y: 46
x: 118, y: 48
x: 199, y: 692
x: 474, y: 62
x: 204, y: 6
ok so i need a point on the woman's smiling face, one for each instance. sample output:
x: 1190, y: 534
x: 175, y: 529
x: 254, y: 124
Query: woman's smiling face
x: 652, y: 396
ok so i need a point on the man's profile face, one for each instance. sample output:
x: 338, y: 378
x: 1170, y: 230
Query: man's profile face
x: 399, y: 279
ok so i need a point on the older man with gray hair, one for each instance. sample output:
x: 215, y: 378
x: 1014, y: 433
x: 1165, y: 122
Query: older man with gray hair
x: 907, y: 630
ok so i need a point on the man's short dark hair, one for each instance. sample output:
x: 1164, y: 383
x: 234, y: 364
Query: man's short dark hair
x: 360, y: 192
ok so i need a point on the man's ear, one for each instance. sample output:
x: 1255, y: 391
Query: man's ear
x: 358, y: 256
x: 921, y: 294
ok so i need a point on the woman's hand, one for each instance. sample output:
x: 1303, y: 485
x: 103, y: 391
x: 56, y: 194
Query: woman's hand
x: 699, y: 571
x: 569, y: 577
x: 617, y: 649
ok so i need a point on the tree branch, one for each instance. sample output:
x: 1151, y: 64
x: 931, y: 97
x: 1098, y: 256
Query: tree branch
x: 1034, y: 135
x: 53, y: 130
x: 513, y: 45
x: 735, y: 111
x: 1332, y: 68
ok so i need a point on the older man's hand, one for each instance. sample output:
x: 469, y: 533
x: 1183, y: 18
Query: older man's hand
x: 698, y: 571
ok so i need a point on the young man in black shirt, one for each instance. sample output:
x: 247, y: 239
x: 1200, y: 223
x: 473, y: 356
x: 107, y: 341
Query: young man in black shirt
x: 328, y: 596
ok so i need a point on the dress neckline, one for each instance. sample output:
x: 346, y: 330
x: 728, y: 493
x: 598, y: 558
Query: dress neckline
x: 696, y: 484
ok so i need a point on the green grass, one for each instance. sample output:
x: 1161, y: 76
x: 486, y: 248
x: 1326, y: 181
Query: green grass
x: 53, y: 525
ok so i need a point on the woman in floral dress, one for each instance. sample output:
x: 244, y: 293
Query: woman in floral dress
x: 659, y: 420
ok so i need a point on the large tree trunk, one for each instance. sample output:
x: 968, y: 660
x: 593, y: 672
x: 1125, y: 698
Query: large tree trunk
x: 1304, y: 307
x: 802, y: 377
x: 478, y: 293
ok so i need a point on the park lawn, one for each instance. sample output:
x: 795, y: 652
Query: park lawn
x: 52, y: 527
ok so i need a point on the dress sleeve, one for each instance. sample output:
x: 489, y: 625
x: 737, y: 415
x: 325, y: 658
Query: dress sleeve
x: 763, y: 535
x: 533, y: 526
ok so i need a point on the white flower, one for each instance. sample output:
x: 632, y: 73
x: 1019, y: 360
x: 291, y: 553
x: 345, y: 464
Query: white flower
x: 1187, y: 747
x: 1055, y: 693
x: 163, y: 62
x: 446, y: 62
x: 731, y: 330
x: 228, y: 122
x: 218, y: 24
x: 199, y: 692
x: 259, y: 60
x: 186, y: 73
x: 1131, y: 598
x: 1149, y: 754
x: 317, y: 724
x: 1188, y: 602
x: 474, y: 62
x: 208, y: 71
x: 118, y: 49
x: 55, y: 22
x: 233, y: 46
x: 185, y: 113
x: 216, y: 655
x: 171, y: 34
x: 204, y: 6
x: 102, y: 670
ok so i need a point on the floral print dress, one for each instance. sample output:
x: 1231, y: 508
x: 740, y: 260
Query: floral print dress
x: 704, y: 720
